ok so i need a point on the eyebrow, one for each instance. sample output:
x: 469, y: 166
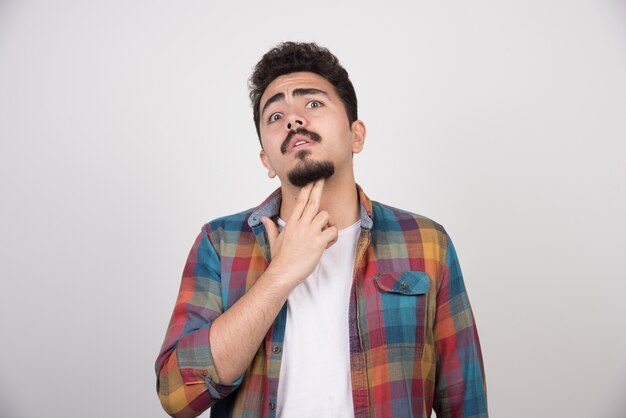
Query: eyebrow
x: 296, y: 92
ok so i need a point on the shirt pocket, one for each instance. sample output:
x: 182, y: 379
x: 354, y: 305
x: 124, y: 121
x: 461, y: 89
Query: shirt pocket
x: 402, y: 309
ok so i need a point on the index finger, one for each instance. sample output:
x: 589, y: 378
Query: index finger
x: 313, y: 205
x: 301, y: 201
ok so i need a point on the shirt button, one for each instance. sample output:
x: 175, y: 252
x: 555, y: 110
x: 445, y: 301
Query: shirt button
x: 276, y: 349
x: 404, y: 286
x: 272, y: 406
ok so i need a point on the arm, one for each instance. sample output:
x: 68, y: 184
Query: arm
x: 187, y: 381
x: 206, y: 350
x: 460, y: 389
x: 296, y: 251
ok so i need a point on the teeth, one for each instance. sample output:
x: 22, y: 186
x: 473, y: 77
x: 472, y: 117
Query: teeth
x: 299, y: 143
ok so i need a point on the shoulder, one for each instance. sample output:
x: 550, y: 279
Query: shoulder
x: 413, y: 226
x: 229, y: 227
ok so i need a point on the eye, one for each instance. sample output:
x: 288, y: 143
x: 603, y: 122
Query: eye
x: 274, y: 117
x: 313, y: 103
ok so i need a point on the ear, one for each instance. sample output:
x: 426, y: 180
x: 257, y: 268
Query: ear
x: 266, y: 163
x: 358, y: 136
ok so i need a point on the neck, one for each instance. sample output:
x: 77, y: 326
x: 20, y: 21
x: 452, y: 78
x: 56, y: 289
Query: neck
x: 339, y: 198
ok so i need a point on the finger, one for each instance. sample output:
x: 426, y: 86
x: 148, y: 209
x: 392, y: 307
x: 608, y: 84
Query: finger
x: 322, y: 220
x: 272, y: 230
x: 301, y: 201
x: 330, y: 236
x: 313, y: 205
x: 331, y: 221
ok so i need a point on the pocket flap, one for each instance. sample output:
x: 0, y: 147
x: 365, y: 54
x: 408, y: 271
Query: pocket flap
x: 403, y: 282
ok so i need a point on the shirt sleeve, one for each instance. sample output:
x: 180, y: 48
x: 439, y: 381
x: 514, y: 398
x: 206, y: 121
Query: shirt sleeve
x: 187, y: 381
x: 460, y: 388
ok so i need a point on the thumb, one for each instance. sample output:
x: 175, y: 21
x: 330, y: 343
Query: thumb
x: 270, y: 227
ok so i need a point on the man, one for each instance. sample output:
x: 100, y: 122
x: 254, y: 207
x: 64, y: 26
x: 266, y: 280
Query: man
x: 319, y: 302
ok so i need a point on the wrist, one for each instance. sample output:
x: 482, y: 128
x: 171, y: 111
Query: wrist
x: 280, y: 279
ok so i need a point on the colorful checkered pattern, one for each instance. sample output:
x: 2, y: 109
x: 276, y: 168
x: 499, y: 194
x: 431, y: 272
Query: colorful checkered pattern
x: 414, y: 346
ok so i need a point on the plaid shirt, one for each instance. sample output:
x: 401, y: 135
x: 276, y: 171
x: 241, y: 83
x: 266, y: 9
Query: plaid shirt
x: 413, y: 342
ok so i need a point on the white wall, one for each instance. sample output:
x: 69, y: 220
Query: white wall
x: 124, y: 126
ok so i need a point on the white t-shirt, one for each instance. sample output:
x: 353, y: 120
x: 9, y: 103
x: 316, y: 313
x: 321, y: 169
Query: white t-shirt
x: 315, y: 368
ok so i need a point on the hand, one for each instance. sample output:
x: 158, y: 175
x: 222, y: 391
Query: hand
x: 307, y: 233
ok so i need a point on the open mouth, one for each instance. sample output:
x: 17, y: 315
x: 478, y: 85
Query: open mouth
x: 296, y: 140
x: 299, y: 141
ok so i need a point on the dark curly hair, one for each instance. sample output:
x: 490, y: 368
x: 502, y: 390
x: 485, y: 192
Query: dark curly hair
x: 291, y: 57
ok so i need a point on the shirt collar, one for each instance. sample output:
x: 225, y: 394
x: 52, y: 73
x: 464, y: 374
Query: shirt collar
x: 271, y: 207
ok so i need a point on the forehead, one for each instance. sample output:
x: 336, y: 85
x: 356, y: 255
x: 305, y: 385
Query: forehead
x: 287, y: 83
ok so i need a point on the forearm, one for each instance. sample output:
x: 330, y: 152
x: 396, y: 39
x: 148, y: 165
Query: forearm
x: 236, y: 335
x: 208, y: 346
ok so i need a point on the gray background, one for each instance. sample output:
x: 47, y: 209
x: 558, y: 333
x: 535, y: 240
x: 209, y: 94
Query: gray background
x: 125, y: 126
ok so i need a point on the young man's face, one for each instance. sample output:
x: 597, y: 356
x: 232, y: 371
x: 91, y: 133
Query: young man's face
x: 305, y: 130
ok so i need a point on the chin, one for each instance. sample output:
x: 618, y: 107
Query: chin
x: 309, y: 171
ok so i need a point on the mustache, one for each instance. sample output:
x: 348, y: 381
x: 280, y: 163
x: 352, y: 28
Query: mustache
x: 301, y: 131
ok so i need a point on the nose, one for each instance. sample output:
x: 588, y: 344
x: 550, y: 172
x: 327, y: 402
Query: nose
x: 295, y: 125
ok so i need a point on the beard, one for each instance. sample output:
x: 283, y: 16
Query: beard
x: 308, y: 171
